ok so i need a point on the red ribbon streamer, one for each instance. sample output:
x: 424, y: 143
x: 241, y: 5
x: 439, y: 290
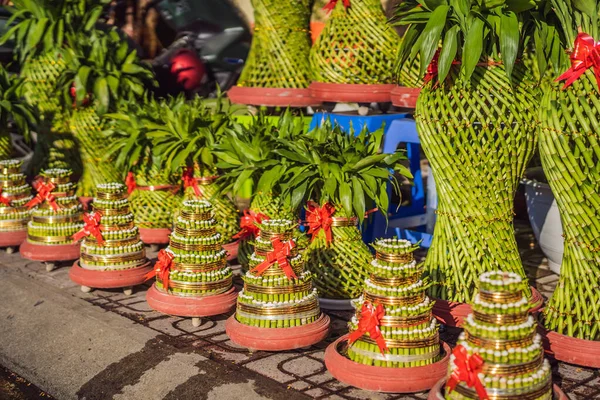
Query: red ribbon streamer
x: 281, y: 252
x: 320, y: 218
x: 249, y: 230
x: 163, y: 268
x: 130, y: 182
x: 91, y: 226
x: 467, y: 370
x: 332, y: 3
x: 585, y: 55
x: 44, y: 193
x: 4, y: 200
x: 190, y: 181
x: 433, y: 68
x: 370, y: 319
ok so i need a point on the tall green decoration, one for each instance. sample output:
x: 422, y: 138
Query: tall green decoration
x: 356, y: 47
x: 477, y: 121
x: 277, y: 71
x: 570, y: 112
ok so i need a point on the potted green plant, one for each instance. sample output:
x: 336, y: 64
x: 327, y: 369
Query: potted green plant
x: 336, y: 175
x: 477, y: 121
x: 568, y: 150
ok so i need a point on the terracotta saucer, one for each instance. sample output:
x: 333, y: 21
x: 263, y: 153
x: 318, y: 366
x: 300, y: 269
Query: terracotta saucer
x: 155, y: 235
x: 108, y: 279
x: 350, y: 93
x: 271, y: 97
x: 13, y: 238
x: 50, y: 253
x: 189, y: 306
x: 405, y: 97
x: 571, y: 350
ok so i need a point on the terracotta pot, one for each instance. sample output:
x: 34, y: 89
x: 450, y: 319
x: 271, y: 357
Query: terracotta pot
x: 86, y: 202
x: 12, y: 239
x: 451, y: 313
x: 436, y: 392
x: 188, y: 306
x: 56, y: 252
x: 155, y: 235
x: 271, y: 97
x: 232, y: 250
x: 109, y: 279
x: 277, y: 339
x: 382, y: 379
x: 405, y: 97
x: 571, y: 350
x: 350, y: 93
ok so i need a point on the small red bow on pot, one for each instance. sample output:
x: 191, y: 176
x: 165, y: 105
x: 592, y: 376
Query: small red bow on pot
x: 248, y: 222
x: 162, y: 268
x: 190, y: 181
x: 320, y: 218
x: 332, y: 3
x: 130, y: 182
x: 91, y: 226
x: 44, y: 193
x: 467, y: 370
x: 433, y: 68
x: 585, y: 55
x: 281, y: 252
x: 4, y: 200
x: 370, y: 319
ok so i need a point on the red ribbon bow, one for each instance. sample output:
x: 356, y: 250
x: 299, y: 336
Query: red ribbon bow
x: 370, y: 319
x: 281, y: 252
x: 320, y: 218
x: 467, y: 370
x: 4, y: 200
x: 585, y: 55
x: 433, y: 68
x: 163, y: 268
x: 249, y: 230
x: 44, y: 193
x: 332, y: 3
x: 130, y: 182
x: 190, y: 181
x: 91, y: 226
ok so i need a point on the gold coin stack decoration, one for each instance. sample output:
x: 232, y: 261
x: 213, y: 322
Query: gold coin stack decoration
x: 394, y: 326
x: 197, y: 264
x: 116, y: 244
x: 277, y: 292
x: 58, y: 214
x: 14, y: 193
x: 501, y: 334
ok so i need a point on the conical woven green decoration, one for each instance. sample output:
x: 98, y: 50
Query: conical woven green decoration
x: 356, y: 46
x: 280, y: 46
x: 15, y: 193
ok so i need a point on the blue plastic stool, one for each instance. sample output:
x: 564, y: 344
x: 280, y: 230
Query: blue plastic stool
x: 372, y: 122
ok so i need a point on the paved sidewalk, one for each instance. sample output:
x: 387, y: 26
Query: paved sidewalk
x: 103, y: 345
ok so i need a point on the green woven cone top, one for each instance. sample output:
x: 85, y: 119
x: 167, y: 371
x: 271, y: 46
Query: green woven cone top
x: 356, y: 46
x: 14, y: 216
x: 199, y: 262
x: 54, y: 221
x: 280, y: 47
x: 395, y: 290
x: 117, y: 244
x: 277, y: 295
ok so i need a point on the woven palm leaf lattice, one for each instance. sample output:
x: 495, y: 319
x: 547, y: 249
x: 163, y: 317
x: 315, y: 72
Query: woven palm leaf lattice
x: 478, y: 136
x: 356, y: 46
x: 571, y: 161
x: 279, y: 54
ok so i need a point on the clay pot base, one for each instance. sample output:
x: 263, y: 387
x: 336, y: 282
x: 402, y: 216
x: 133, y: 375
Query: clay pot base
x: 451, y: 313
x: 155, y: 235
x: 188, y: 306
x: 232, y: 250
x: 49, y: 253
x: 277, y: 339
x: 350, y: 93
x: 336, y: 304
x: 383, y: 379
x: 405, y: 97
x: 436, y: 392
x: 585, y: 353
x: 271, y: 97
x: 12, y: 239
x: 109, y: 279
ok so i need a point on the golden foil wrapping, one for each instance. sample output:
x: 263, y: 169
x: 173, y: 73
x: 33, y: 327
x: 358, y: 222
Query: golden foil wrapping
x: 499, y: 344
x: 406, y: 344
x: 303, y: 287
x: 195, y: 232
x: 395, y: 258
x: 394, y: 300
x: 278, y: 310
x: 501, y: 319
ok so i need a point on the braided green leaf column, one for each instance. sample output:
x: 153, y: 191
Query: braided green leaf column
x: 478, y: 136
x: 571, y: 159
x: 356, y: 46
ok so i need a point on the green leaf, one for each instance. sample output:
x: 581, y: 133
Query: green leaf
x: 269, y: 178
x: 384, y: 201
x: 241, y: 180
x: 448, y: 52
x: 431, y: 35
x: 298, y: 194
x: 368, y: 161
x: 509, y: 41
x: 358, y: 201
x: 588, y: 7
x: 474, y: 44
x: 101, y: 94
x: 346, y: 197
x: 36, y: 34
x: 81, y: 83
